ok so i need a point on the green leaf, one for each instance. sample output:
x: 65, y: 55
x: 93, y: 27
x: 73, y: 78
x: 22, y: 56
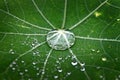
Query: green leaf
x: 25, y: 54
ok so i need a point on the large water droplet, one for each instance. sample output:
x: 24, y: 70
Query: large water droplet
x: 60, y: 39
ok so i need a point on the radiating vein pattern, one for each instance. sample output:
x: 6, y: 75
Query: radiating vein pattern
x: 78, y: 23
x: 82, y: 59
x: 43, y: 15
x: 97, y: 39
x: 21, y: 55
x: 82, y: 65
x: 45, y: 63
x: 64, y: 15
x: 24, y: 20
x: 22, y: 34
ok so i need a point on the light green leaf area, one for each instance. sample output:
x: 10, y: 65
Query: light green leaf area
x: 25, y: 54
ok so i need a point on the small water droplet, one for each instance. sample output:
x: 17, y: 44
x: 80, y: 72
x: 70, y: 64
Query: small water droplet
x: 57, y: 62
x: 14, y: 62
x: 22, y: 61
x: 60, y: 58
x: 101, y: 76
x: 34, y: 63
x: 74, y: 63
x: 38, y: 74
x: 29, y: 79
x: 26, y: 70
x: 93, y: 50
x: 37, y: 68
x: 82, y: 64
x: 119, y: 76
x: 104, y: 59
x: 11, y: 51
x: 98, y: 51
x: 68, y: 73
x: 34, y: 66
x: 34, y: 53
x: 98, y: 67
x: 11, y: 65
x: 82, y: 69
x: 60, y: 70
x: 43, y: 72
x: 117, y: 79
x: 34, y: 43
x: 55, y: 77
x: 13, y: 68
x: 21, y: 73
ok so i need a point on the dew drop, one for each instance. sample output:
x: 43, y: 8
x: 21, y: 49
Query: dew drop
x: 68, y: 73
x: 116, y: 78
x: 13, y: 68
x: 98, y: 67
x: 60, y: 39
x: 21, y: 73
x: 11, y: 51
x: 38, y: 74
x: 74, y: 63
x: 55, y: 77
x: 26, y: 70
x: 22, y: 61
x: 60, y: 70
x: 43, y: 72
x: 60, y: 58
x: 14, y: 62
x: 104, y: 59
x: 82, y: 64
x: 11, y: 65
x: 82, y: 69
x: 37, y: 68
x: 119, y: 76
x: 57, y: 62
x: 34, y: 63
x: 93, y: 50
x: 101, y: 76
